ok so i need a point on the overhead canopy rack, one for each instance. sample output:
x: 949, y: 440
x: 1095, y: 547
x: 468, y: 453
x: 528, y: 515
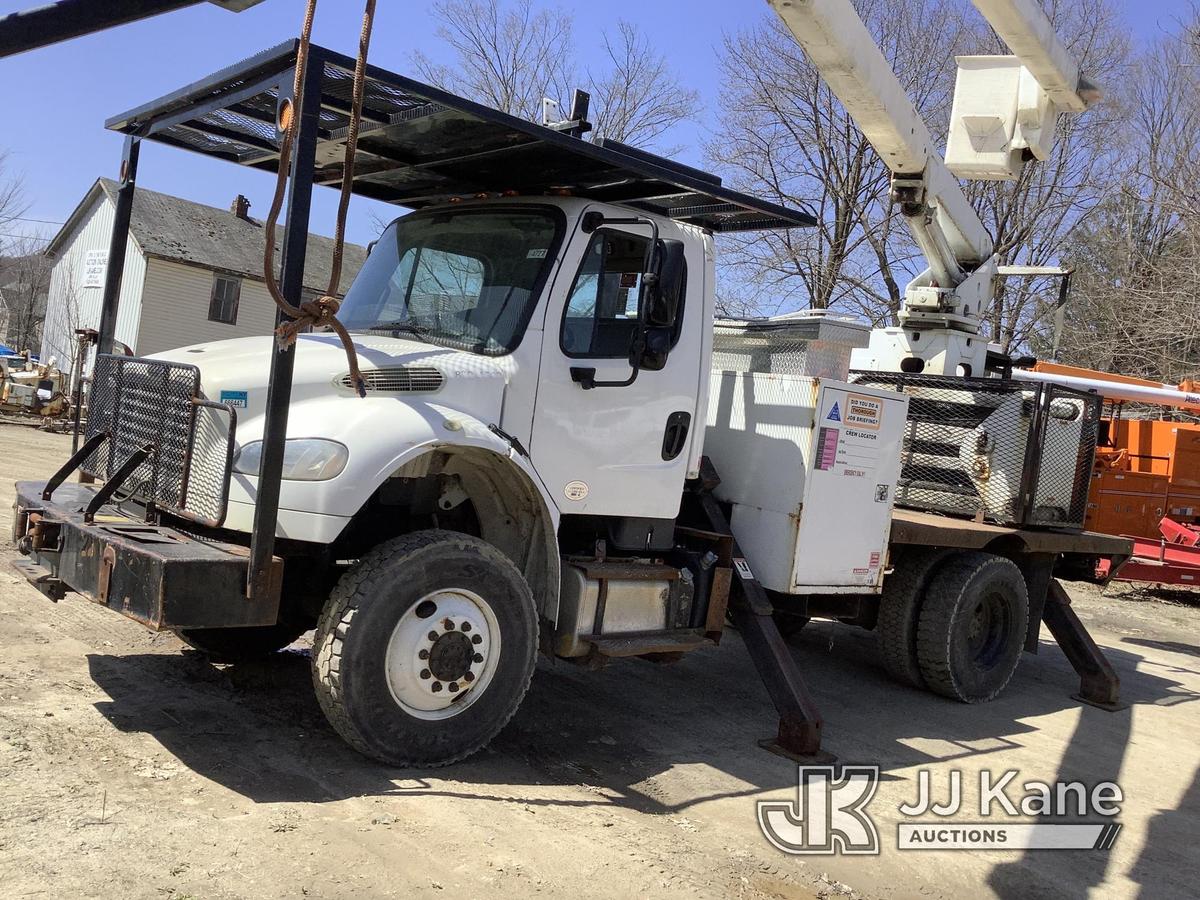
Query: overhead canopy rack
x: 420, y: 146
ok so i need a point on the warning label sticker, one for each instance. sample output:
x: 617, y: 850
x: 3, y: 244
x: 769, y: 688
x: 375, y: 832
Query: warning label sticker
x: 835, y: 414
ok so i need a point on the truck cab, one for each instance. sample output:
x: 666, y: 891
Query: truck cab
x: 506, y: 325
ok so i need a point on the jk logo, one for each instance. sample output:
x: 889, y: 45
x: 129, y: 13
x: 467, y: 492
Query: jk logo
x: 828, y: 816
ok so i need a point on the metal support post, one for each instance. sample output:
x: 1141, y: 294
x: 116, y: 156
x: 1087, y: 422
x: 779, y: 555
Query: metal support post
x: 116, y: 247
x: 279, y: 391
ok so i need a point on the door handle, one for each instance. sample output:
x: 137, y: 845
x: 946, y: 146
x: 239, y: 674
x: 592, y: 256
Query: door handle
x: 675, y: 436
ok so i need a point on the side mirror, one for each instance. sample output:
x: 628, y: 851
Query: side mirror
x: 666, y: 290
x: 663, y: 290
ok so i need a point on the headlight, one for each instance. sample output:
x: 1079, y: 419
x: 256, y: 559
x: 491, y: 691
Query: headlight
x: 304, y: 459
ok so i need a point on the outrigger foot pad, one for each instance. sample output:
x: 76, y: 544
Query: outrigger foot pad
x: 816, y: 758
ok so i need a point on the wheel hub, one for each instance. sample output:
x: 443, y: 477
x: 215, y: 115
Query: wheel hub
x: 450, y: 657
x: 442, y: 653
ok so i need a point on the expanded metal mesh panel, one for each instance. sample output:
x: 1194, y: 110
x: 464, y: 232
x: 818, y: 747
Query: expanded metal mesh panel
x: 207, y: 484
x: 399, y: 380
x: 148, y: 403
x: 817, y: 347
x: 1008, y: 452
x: 1069, y: 435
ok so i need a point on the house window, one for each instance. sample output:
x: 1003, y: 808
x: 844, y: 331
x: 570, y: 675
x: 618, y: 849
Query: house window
x: 223, y: 306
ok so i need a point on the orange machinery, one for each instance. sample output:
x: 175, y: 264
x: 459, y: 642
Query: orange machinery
x: 1145, y: 468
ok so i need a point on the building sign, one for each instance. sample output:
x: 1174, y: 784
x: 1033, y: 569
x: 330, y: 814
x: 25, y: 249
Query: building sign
x: 95, y: 265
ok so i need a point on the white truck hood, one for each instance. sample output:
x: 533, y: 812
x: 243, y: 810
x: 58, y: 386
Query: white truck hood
x: 237, y: 372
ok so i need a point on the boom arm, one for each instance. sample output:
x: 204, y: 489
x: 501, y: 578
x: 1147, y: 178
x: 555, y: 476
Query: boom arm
x: 957, y: 287
x: 845, y: 53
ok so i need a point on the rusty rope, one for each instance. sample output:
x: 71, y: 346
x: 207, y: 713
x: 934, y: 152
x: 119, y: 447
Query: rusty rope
x: 321, y: 312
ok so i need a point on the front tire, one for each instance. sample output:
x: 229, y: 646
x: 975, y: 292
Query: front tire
x: 425, y: 649
x: 972, y: 627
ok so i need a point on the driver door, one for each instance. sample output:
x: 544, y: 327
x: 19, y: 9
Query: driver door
x: 614, y: 451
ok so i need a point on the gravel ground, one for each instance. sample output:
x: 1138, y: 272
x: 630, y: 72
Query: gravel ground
x: 129, y: 766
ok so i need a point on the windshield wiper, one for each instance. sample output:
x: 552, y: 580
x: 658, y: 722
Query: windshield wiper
x: 401, y: 328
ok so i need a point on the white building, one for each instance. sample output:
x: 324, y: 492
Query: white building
x: 192, y: 273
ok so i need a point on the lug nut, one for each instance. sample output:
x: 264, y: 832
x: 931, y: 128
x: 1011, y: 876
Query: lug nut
x: 424, y: 654
x: 477, y: 639
x: 478, y: 657
x: 454, y: 687
x: 448, y: 624
x: 436, y: 686
x: 433, y: 635
x: 426, y: 674
x: 466, y: 626
x: 470, y: 676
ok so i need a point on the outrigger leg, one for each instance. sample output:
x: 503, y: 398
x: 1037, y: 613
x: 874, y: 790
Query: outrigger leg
x: 1099, y: 684
x: 800, y: 723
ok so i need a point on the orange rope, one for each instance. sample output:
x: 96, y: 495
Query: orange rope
x: 321, y: 312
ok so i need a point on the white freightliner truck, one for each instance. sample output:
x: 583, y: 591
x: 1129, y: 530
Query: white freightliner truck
x: 550, y: 456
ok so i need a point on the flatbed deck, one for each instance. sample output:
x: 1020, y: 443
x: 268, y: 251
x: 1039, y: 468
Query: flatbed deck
x: 910, y: 526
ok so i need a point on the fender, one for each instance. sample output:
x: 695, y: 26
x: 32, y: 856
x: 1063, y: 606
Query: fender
x: 385, y: 434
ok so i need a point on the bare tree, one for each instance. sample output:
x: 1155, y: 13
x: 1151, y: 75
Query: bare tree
x: 1031, y: 219
x: 639, y: 99
x: 786, y: 137
x: 24, y: 285
x: 509, y: 55
x: 12, y: 201
x: 1135, y: 308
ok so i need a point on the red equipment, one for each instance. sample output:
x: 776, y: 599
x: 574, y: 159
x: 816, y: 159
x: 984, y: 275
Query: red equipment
x: 1174, y: 559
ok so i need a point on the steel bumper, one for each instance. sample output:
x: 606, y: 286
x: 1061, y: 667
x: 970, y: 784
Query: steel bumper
x: 160, y: 576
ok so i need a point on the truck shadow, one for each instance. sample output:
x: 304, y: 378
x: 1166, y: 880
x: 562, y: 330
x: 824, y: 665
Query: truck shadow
x: 623, y: 732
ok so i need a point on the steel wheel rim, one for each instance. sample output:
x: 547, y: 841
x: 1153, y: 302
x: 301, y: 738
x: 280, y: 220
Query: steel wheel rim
x: 987, y: 630
x: 442, y: 654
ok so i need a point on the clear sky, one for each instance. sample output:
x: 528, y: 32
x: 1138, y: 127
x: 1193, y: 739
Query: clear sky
x: 53, y: 101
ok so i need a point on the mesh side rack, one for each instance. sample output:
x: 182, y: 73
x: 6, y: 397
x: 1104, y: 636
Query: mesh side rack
x: 1009, y: 452
x: 151, y: 403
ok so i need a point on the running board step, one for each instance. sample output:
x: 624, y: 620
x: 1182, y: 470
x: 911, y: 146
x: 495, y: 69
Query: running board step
x: 653, y: 642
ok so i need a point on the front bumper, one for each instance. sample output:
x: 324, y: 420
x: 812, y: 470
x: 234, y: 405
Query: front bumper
x: 164, y: 578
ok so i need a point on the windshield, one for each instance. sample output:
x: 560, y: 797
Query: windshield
x: 466, y: 279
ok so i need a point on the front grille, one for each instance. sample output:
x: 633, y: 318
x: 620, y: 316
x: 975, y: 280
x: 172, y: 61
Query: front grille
x: 1010, y: 452
x: 147, y: 402
x: 399, y: 380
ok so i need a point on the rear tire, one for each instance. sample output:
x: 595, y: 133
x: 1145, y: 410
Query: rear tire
x: 234, y: 645
x: 899, y: 609
x: 425, y: 649
x: 972, y: 627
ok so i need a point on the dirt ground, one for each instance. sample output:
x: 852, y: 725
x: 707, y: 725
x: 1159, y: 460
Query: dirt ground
x: 131, y: 767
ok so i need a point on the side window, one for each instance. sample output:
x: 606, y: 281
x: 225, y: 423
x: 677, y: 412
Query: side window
x: 223, y: 304
x: 600, y: 318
